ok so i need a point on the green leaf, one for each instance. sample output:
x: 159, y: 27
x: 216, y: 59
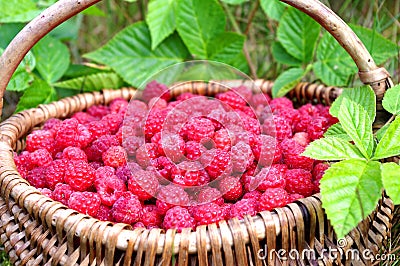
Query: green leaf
x: 235, y: 2
x: 18, y: 11
x: 381, y: 132
x: 350, y: 191
x: 20, y: 81
x: 298, y: 34
x: 227, y: 48
x: 69, y: 29
x: 389, y: 145
x: 94, y: 82
x: 281, y: 56
x: 52, y: 57
x: 75, y: 71
x: 273, y: 8
x: 161, y: 20
x: 331, y: 148
x: 206, y: 72
x: 94, y: 11
x: 363, y: 95
x: 286, y: 81
x: 334, y: 66
x: 39, y: 92
x: 8, y: 32
x: 391, y: 180
x: 380, y: 47
x: 357, y: 124
x: 391, y: 100
x: 130, y: 56
x: 198, y: 22
x: 337, y: 131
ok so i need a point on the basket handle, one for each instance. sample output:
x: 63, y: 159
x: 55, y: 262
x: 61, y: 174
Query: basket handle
x: 62, y: 10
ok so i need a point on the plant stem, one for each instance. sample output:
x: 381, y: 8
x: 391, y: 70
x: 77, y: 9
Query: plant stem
x: 251, y: 16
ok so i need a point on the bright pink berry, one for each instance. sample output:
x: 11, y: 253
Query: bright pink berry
x: 243, y: 207
x: 317, y: 174
x: 118, y: 105
x: 273, y: 198
x: 173, y: 146
x: 143, y: 184
x: 198, y: 129
x: 223, y: 140
x: 127, y: 209
x: 104, y: 213
x: 210, y: 194
x: 299, y: 181
x: 317, y: 127
x: 255, y: 195
x: 115, y: 156
x: 85, y: 202
x: 169, y: 196
x: 231, y: 188
x: 155, y: 89
x: 112, y: 122
x: 267, y: 150
x: 40, y: 139
x: 99, y: 146
x: 278, y: 127
x: 146, y: 153
x: 74, y: 153
x: 98, y: 111
x: 178, y: 218
x: 242, y: 157
x: 232, y: 98
x: 220, y: 163
x: 36, y: 177
x: 293, y: 197
x: 291, y: 155
x: 62, y: 193
x: 281, y: 103
x: 79, y: 175
x: 46, y: 192
x: 150, y: 216
x: 154, y: 122
x: 109, y: 189
x: 55, y: 173
x: 301, y: 138
x: 98, y: 129
x: 208, y: 213
x: 84, y: 118
x: 271, y: 177
x: 193, y: 150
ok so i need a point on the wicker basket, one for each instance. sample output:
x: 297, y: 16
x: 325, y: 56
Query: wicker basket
x: 36, y: 230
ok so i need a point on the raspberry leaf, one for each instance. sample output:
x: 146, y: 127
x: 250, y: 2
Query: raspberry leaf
x: 94, y: 82
x: 391, y: 100
x: 282, y: 56
x: 298, y: 34
x: 391, y: 182
x: 379, y: 134
x: 18, y: 11
x: 350, y: 191
x: 337, y: 131
x: 287, y: 80
x: 235, y: 2
x: 389, y: 145
x: 161, y: 20
x: 37, y: 93
x: 273, y: 8
x: 331, y: 148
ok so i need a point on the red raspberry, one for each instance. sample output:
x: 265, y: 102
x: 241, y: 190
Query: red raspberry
x: 294, y: 197
x: 146, y: 153
x: 46, y: 192
x: 242, y: 157
x: 220, y: 164
x: 173, y: 146
x: 55, y: 173
x: 74, y: 153
x: 104, y: 213
x: 317, y: 174
x: 187, y: 178
x: 193, y: 150
x: 62, y: 193
x: 255, y: 195
x: 98, y: 129
x: 291, y: 155
x: 231, y: 98
x: 154, y: 122
x: 267, y: 150
x: 41, y: 157
x: 83, y: 118
x: 109, y: 189
x: 98, y: 111
x: 210, y: 194
x: 259, y: 99
x: 175, y: 120
x: 99, y: 146
x: 243, y: 207
x: 157, y: 103
x: 250, y: 124
x: 226, y: 207
x: 299, y: 181
x: 52, y: 125
x: 273, y: 198
x: 85, y: 202
x: 280, y: 103
x: 198, y: 129
x: 118, y: 105
x: 127, y: 209
x: 169, y: 196
x: 71, y: 133
x: 271, y: 177
x: 150, y: 216
x: 115, y: 156
x: 277, y: 127
x: 208, y: 213
x: 244, y: 92
x: 301, y: 138
x: 204, y: 178
x: 324, y: 111
x: 40, y: 139
x: 222, y: 140
x: 96, y: 165
x: 185, y: 96
x: 178, y: 218
x: 143, y: 184
x: 317, y: 127
x: 155, y: 89
x: 138, y: 225
x: 113, y: 122
x: 309, y: 109
x: 290, y: 115
x: 125, y: 172
x: 304, y: 122
x: 36, y: 177
x: 103, y: 172
x: 79, y: 175
x: 165, y: 167
x: 131, y: 144
x: 23, y: 161
x: 231, y: 188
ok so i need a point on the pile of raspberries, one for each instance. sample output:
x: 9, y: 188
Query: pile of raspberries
x: 163, y: 162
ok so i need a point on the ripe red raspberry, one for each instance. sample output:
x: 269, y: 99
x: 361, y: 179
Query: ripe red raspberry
x: 104, y: 213
x: 85, y: 202
x: 169, y: 196
x: 267, y: 150
x: 301, y: 138
x: 99, y: 146
x: 304, y: 122
x: 143, y: 184
x: 193, y: 150
x: 231, y: 188
x: 223, y: 140
x: 178, y: 218
x: 41, y: 157
x: 96, y: 165
x: 74, y: 153
x: 255, y: 195
x: 36, y: 177
x: 277, y: 127
x: 271, y: 177
x: 299, y: 181
x: 98, y: 111
x: 62, y: 193
x: 150, y: 216
x: 280, y: 103
x: 204, y: 178
x: 112, y: 122
x: 115, y: 156
x: 52, y: 125
x: 79, y: 175
x: 23, y: 161
x: 242, y: 157
x: 146, y: 153
x: 71, y: 133
x: 317, y: 127
x: 208, y: 213
x: 273, y: 198
x: 317, y: 174
x: 131, y: 144
x: 175, y: 120
x: 46, y: 192
x: 294, y: 197
x: 324, y: 111
x: 127, y: 209
x: 103, y: 172
x: 155, y: 89
x: 250, y: 124
x: 219, y: 165
x: 232, y: 98
x: 40, y: 139
x: 244, y: 92
x: 98, y: 129
x: 291, y: 155
x: 226, y: 207
x: 309, y: 109
x: 55, y: 173
x: 198, y: 129
x: 259, y: 99
x: 187, y: 178
x: 243, y: 207
x: 157, y: 103
x: 290, y: 115
x: 173, y: 146
x: 118, y: 105
x: 109, y: 189
x: 154, y: 122
x: 125, y: 172
x: 210, y: 194
x: 84, y: 118
x: 165, y: 167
